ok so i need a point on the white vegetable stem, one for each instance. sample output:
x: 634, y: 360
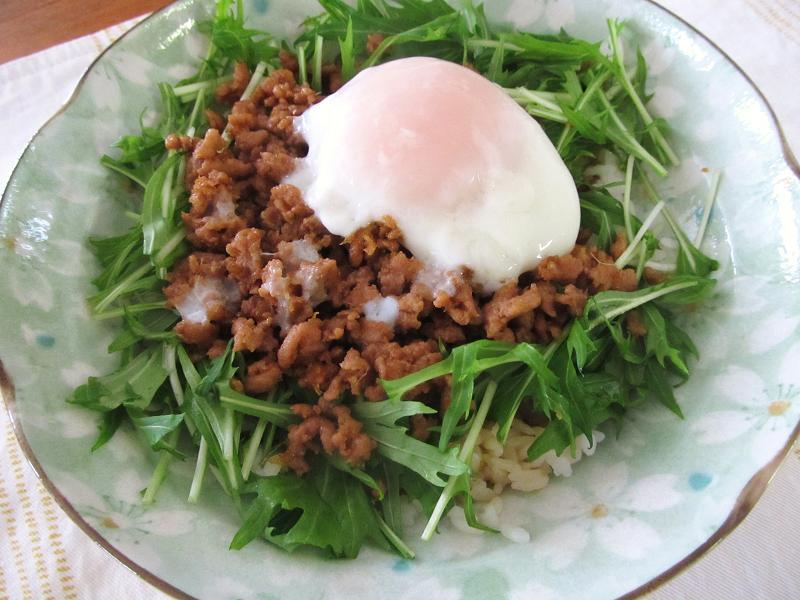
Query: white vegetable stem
x: 227, y: 433
x: 464, y: 456
x: 169, y: 364
x: 255, y: 80
x: 316, y: 67
x: 626, y: 198
x: 625, y: 257
x: 160, y: 472
x: 537, y: 103
x: 199, y: 471
x: 252, y: 448
x: 193, y: 88
x: 681, y: 238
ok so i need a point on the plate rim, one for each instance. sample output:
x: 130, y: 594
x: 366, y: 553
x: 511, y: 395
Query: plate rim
x: 745, y: 501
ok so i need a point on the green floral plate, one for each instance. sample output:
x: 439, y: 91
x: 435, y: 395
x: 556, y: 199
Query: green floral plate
x: 647, y: 503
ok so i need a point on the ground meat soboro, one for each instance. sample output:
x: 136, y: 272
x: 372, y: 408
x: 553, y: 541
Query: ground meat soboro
x: 335, y: 315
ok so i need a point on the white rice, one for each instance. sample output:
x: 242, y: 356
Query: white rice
x: 515, y: 533
x: 496, y: 467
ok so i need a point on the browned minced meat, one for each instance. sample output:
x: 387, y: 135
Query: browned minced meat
x: 420, y: 426
x: 634, y: 323
x: 288, y: 61
x: 183, y: 143
x: 332, y: 427
x: 654, y: 276
x: 294, y: 294
x: 373, y: 41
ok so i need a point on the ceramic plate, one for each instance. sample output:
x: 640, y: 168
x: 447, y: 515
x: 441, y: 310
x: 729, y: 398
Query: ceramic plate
x: 649, y: 501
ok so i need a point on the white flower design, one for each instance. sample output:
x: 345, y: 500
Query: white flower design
x: 133, y: 68
x: 431, y: 588
x: 707, y: 131
x: 79, y: 261
x: 557, y: 13
x: 741, y: 295
x: 75, y: 423
x: 745, y: 167
x: 122, y: 446
x: 179, y: 71
x: 688, y: 176
x: 129, y: 485
x: 658, y: 56
x: 771, y: 410
x: 607, y: 515
x: 632, y: 437
x: 228, y: 587
x: 77, y: 373
x: 285, y: 570
x: 667, y: 101
x: 117, y: 518
x: 777, y: 327
x: 22, y: 281
x: 68, y: 182
x: 620, y: 9
x: 536, y: 590
x: 103, y: 85
x: 69, y: 423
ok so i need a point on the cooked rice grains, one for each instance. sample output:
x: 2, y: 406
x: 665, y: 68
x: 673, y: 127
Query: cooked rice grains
x: 496, y: 467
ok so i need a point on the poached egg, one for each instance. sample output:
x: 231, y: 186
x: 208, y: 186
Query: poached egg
x: 471, y: 180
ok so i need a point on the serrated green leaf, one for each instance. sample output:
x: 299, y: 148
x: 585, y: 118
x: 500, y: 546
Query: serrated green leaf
x: 658, y: 383
x: 657, y: 340
x: 395, y: 444
x: 464, y: 359
x: 155, y: 428
x: 579, y: 345
x: 109, y: 424
x: 388, y: 412
x: 135, y: 384
x: 326, y: 509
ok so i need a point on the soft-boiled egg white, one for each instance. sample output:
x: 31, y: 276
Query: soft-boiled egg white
x: 468, y: 176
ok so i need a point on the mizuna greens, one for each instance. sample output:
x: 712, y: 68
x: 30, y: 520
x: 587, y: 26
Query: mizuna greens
x: 588, y: 102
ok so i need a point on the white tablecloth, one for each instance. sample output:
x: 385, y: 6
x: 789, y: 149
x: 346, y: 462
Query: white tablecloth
x: 44, y: 555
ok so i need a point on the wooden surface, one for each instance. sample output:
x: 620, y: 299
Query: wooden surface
x: 26, y: 27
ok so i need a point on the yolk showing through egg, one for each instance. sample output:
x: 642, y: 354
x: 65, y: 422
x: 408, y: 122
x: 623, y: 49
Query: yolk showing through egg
x: 468, y: 176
